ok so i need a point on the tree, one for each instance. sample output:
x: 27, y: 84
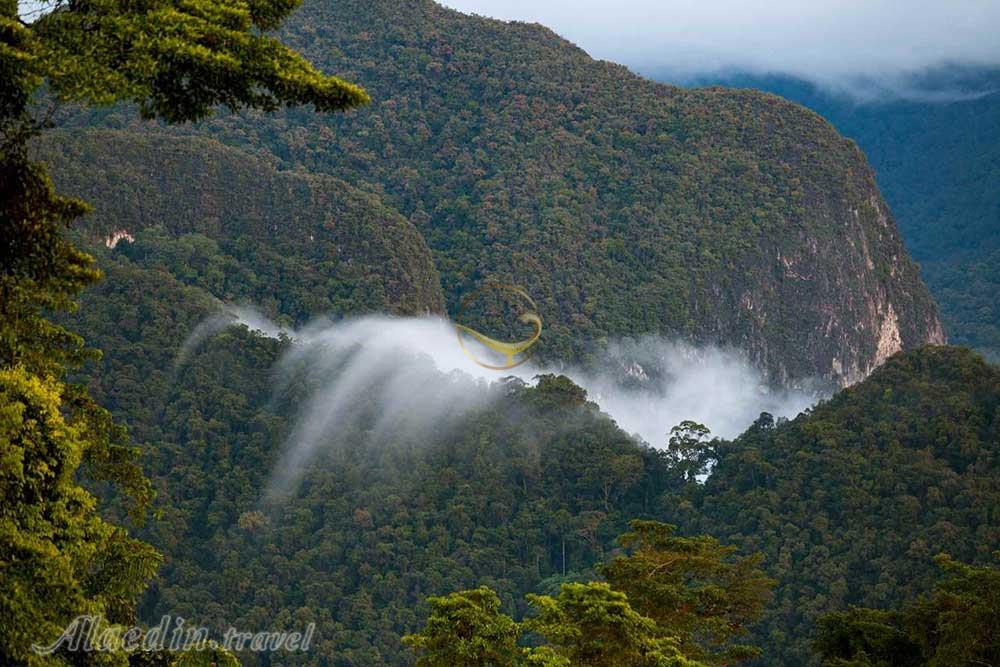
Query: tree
x: 958, y: 624
x: 466, y: 629
x: 690, y: 449
x: 591, y: 625
x: 176, y: 60
x: 693, y: 588
x: 558, y: 391
x: 619, y: 476
x: 58, y: 559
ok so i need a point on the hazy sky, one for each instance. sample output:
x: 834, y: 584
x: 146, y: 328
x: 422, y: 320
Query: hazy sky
x: 828, y: 41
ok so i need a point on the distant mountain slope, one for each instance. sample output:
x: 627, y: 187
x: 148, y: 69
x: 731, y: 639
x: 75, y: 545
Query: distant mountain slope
x: 850, y: 503
x: 938, y: 164
x: 624, y: 206
x: 295, y: 244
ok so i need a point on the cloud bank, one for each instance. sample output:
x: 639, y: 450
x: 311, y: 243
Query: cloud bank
x: 377, y: 379
x: 851, y: 45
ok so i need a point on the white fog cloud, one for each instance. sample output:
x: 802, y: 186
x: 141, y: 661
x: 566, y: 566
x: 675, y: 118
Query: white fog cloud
x: 843, y: 43
x: 408, y: 379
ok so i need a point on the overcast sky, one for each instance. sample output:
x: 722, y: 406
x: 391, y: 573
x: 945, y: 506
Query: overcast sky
x: 828, y: 41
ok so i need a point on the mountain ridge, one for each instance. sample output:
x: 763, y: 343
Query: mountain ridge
x: 334, y: 249
x: 625, y: 207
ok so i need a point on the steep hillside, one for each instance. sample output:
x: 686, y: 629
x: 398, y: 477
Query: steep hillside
x: 850, y: 503
x: 937, y: 160
x: 231, y: 224
x: 518, y: 496
x: 623, y: 205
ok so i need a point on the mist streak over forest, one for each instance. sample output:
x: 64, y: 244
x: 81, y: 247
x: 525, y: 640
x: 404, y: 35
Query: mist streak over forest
x: 379, y: 379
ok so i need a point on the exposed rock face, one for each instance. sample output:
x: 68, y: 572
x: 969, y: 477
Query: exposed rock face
x: 847, y: 288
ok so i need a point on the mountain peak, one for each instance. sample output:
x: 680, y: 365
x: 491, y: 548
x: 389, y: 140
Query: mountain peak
x: 625, y: 207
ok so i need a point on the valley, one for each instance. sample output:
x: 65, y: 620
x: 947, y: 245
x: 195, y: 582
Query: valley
x: 233, y: 391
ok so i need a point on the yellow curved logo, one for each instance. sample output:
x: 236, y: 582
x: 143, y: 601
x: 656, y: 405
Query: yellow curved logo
x: 509, y: 350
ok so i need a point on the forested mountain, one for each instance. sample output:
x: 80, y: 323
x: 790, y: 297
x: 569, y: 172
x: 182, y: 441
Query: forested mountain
x: 850, y: 502
x: 292, y: 244
x: 490, y: 151
x: 624, y: 206
x: 937, y: 161
x: 517, y: 497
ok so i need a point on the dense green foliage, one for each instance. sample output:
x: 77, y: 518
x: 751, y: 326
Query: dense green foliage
x: 957, y: 624
x: 588, y: 625
x: 672, y: 602
x: 623, y: 206
x: 515, y: 499
x: 592, y: 625
x: 178, y: 60
x: 693, y: 588
x: 848, y: 504
x: 293, y: 244
x: 936, y: 161
x: 466, y: 629
x: 58, y: 558
x: 966, y: 285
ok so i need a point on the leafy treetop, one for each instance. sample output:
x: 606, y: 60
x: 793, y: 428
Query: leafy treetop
x: 177, y: 59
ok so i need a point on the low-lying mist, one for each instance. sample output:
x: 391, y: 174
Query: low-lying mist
x: 652, y: 384
x: 377, y: 378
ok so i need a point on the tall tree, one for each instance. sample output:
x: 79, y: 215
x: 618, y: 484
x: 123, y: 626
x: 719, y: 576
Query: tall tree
x: 58, y: 559
x: 692, y: 587
x: 591, y: 625
x: 177, y: 60
x: 690, y: 450
x: 467, y: 629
